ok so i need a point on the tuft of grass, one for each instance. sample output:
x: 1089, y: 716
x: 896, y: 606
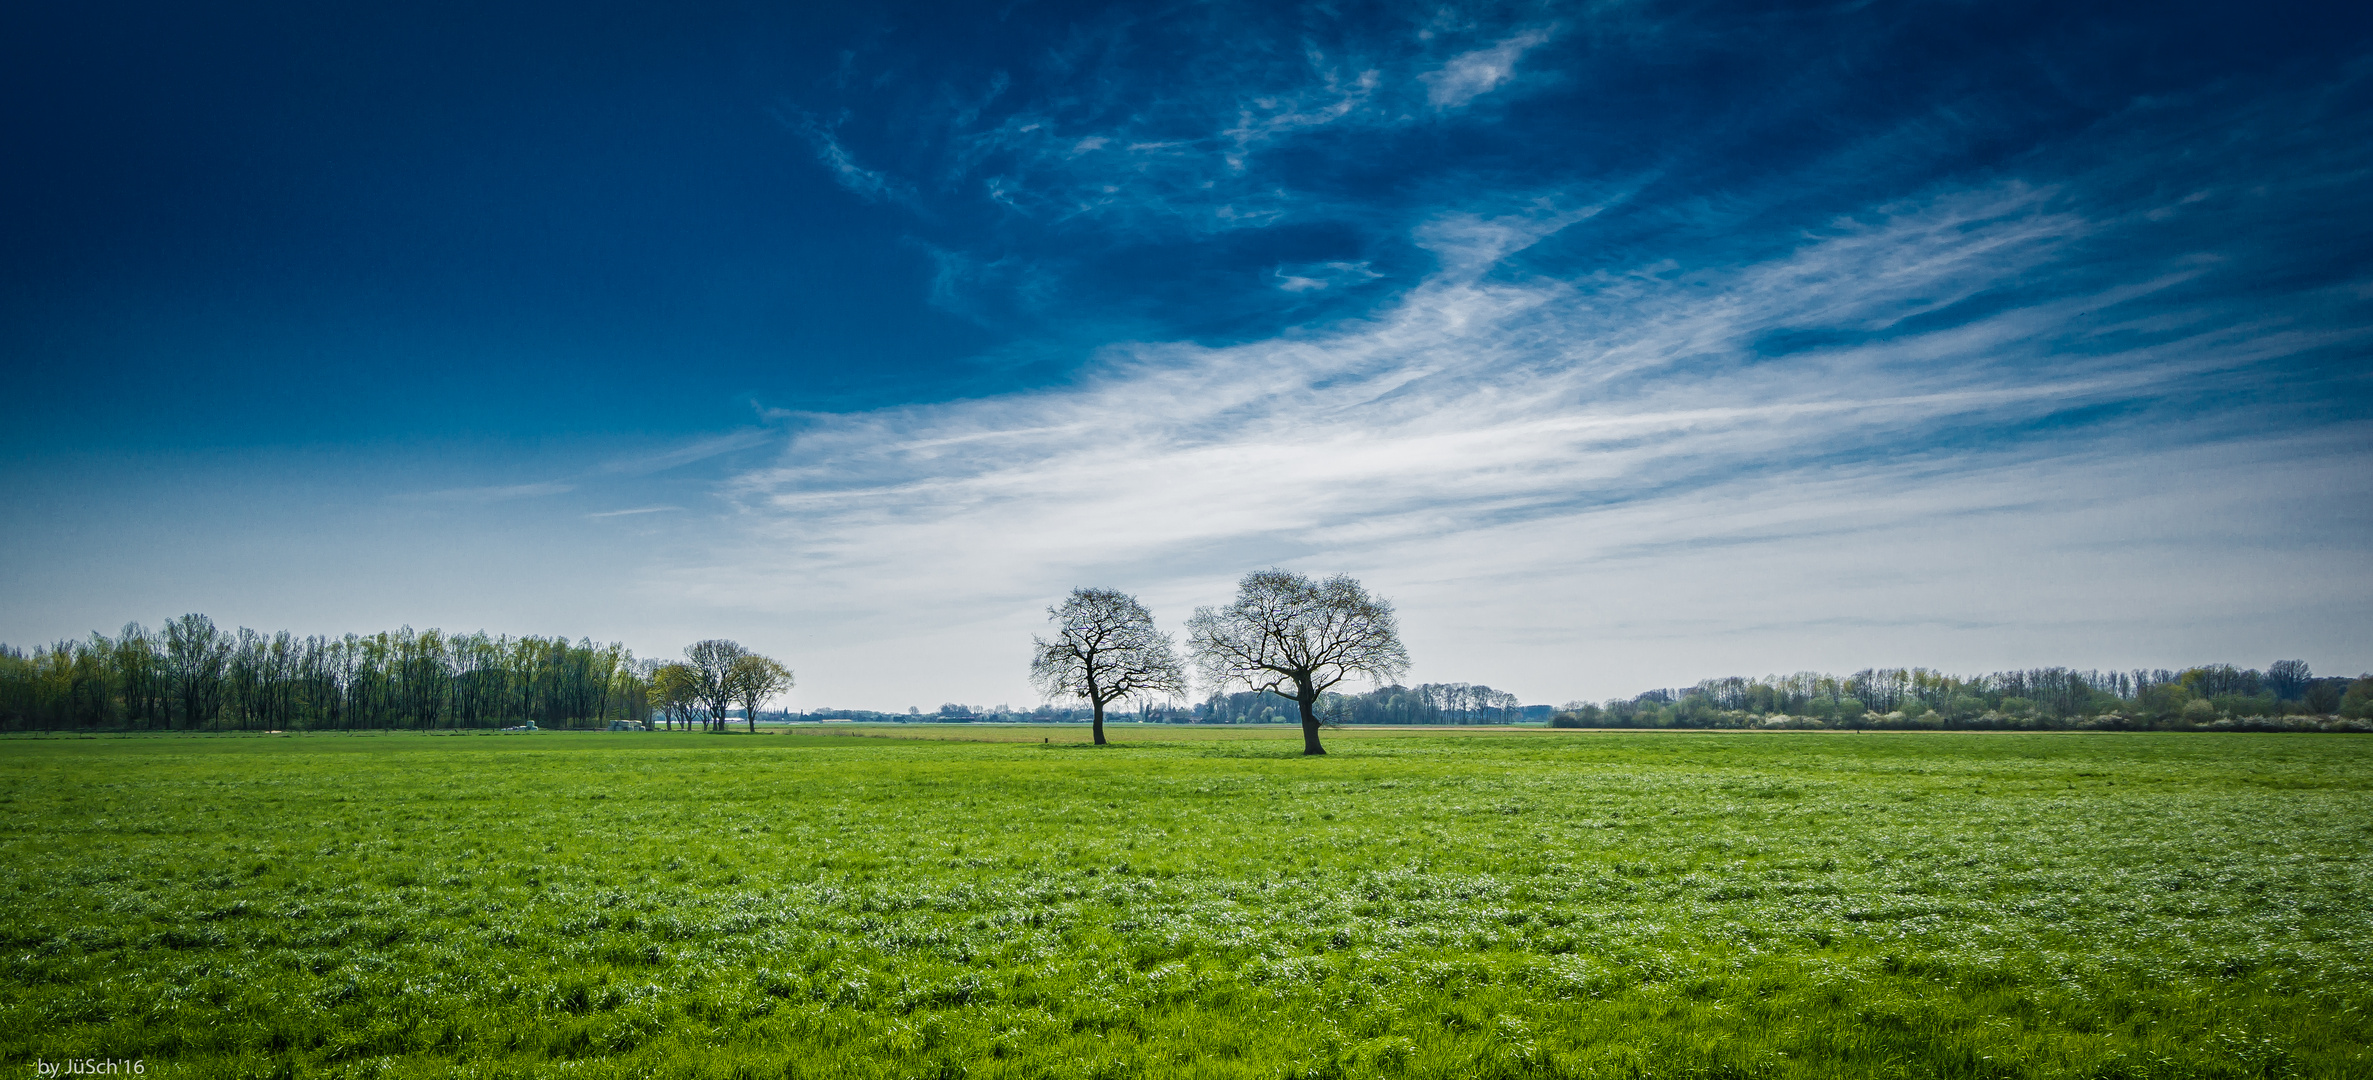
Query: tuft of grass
x: 982, y: 904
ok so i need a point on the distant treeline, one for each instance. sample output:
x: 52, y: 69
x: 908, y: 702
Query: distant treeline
x: 1432, y: 703
x: 2221, y: 696
x: 192, y: 675
x: 1429, y: 703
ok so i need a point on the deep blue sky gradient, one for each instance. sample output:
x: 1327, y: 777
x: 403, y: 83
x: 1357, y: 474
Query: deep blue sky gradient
x: 297, y: 224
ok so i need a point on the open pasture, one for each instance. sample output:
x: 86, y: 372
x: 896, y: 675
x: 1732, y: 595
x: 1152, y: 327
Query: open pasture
x: 986, y: 905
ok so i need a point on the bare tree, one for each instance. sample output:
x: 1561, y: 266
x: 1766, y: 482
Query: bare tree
x: 712, y: 676
x: 197, y: 665
x: 2288, y: 679
x: 1296, y: 638
x: 1105, y: 648
x: 756, y: 678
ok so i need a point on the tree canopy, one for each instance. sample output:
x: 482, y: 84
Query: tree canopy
x: 756, y: 678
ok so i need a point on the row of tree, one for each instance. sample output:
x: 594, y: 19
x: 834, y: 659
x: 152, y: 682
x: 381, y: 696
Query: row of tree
x: 713, y: 676
x: 2037, y: 697
x: 1275, y: 654
x: 1428, y: 703
x: 1432, y: 703
x: 193, y: 675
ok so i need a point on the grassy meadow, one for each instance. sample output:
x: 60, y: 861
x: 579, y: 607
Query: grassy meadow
x: 1191, y: 903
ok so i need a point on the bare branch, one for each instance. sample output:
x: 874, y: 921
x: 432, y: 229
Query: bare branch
x: 1105, y: 648
x: 1293, y: 637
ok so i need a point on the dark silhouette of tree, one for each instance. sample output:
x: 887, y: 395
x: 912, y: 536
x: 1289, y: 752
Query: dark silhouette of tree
x: 197, y: 659
x: 2288, y: 679
x: 1105, y: 648
x: 1295, y: 638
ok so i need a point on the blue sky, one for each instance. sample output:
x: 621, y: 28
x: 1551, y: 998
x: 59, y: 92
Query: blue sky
x: 1619, y: 344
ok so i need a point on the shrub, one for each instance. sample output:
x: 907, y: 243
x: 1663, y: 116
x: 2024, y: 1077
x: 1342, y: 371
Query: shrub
x: 2259, y: 704
x: 2357, y: 704
x: 2324, y: 695
x: 2165, y: 701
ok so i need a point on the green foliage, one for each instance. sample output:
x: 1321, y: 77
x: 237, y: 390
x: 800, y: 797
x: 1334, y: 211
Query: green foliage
x: 2163, y: 702
x: 194, y: 675
x: 1567, y: 904
x: 2357, y: 704
x: 2262, y: 703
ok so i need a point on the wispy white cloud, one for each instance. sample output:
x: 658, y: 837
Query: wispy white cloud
x: 494, y: 494
x: 1182, y: 154
x: 1261, y: 119
x: 1494, y: 445
x: 1471, y: 75
x: 869, y: 184
x: 696, y: 450
x: 1310, y: 277
x: 633, y: 512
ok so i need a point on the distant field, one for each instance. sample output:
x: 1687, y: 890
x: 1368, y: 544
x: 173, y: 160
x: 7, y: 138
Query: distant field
x: 1191, y: 902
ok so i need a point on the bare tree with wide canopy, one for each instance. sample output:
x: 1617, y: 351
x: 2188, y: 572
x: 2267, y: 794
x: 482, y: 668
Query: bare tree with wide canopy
x: 756, y: 678
x: 1296, y: 638
x: 712, y: 676
x: 1105, y: 648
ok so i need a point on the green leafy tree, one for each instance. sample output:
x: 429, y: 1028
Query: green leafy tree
x: 2357, y: 703
x: 2163, y: 701
x: 674, y: 690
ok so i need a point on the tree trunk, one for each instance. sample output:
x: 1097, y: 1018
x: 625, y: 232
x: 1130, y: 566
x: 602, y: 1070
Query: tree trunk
x: 1099, y: 707
x: 1306, y: 699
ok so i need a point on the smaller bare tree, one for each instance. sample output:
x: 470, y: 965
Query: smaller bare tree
x: 1105, y: 648
x: 755, y: 679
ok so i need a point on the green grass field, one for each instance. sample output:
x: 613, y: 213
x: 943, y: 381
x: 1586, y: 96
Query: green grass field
x: 1212, y: 904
